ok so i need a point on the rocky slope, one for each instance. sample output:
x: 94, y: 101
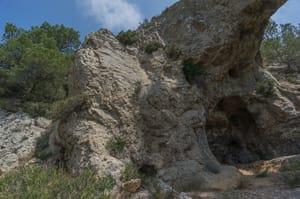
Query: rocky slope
x: 165, y: 120
x: 19, y: 135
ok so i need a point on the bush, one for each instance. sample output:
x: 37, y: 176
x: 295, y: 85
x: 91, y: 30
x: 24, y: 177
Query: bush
x: 40, y: 182
x: 42, y: 150
x: 8, y: 105
x: 191, y: 70
x: 116, y: 145
x: 266, y: 88
x: 127, y: 38
x: 291, y: 177
x: 131, y: 172
x: 36, y: 109
x: 62, y: 108
x: 152, y: 47
x: 173, y: 52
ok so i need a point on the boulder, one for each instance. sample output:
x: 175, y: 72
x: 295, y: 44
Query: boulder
x: 163, y: 113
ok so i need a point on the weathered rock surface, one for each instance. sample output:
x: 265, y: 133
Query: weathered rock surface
x: 19, y: 134
x: 165, y: 120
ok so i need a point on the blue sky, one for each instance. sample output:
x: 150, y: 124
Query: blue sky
x: 90, y: 15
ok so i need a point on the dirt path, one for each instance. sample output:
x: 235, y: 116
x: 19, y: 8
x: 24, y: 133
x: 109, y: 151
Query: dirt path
x: 261, y: 180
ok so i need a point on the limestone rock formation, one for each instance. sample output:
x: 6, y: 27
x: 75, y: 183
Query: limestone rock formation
x: 163, y: 119
x: 19, y: 134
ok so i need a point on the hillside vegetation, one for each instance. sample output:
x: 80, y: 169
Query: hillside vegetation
x: 34, y: 64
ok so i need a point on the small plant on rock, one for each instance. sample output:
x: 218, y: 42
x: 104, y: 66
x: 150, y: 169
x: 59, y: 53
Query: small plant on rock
x: 191, y: 70
x: 127, y: 38
x: 152, y: 47
x: 173, y: 52
x: 266, y: 88
x: 116, y: 145
x: 131, y: 171
x: 42, y: 150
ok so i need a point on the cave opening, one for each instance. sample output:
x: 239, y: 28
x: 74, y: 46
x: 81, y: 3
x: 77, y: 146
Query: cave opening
x: 233, y: 135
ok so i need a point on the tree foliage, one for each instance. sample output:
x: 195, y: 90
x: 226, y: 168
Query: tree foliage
x: 34, y: 63
x: 281, y: 44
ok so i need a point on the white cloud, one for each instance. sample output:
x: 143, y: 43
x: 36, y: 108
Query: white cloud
x: 112, y: 14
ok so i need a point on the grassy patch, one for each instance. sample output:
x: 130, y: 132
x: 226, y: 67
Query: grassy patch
x: 116, y: 145
x: 131, y: 172
x: 266, y: 88
x: 40, y: 182
x: 152, y: 47
x: 127, y: 38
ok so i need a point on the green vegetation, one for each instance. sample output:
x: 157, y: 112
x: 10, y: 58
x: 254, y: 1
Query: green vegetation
x: 291, y: 175
x: 127, y: 38
x: 40, y: 182
x: 281, y: 44
x: 152, y: 47
x: 191, y: 70
x: 173, y: 52
x: 116, y: 145
x: 42, y: 150
x: 266, y: 88
x: 62, y: 108
x: 131, y: 172
x: 34, y: 64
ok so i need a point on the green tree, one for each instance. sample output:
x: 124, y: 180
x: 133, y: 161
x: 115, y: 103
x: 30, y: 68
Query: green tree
x: 34, y: 63
x: 67, y: 39
x: 281, y: 44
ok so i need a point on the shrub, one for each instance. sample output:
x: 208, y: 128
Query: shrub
x: 131, y: 172
x: 173, y: 52
x: 292, y: 175
x: 191, y: 70
x: 152, y: 47
x: 213, y: 167
x: 36, y: 109
x: 127, y: 38
x: 116, y: 145
x: 62, y: 108
x: 42, y: 150
x: 8, y: 105
x: 266, y: 88
x: 40, y: 182
x: 292, y: 178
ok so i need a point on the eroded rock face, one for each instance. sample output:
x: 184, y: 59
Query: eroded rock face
x: 146, y: 100
x: 19, y: 134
